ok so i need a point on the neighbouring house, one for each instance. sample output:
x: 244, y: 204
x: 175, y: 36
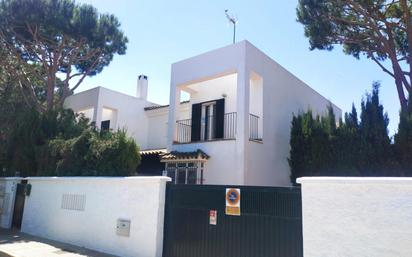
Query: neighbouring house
x: 234, y: 129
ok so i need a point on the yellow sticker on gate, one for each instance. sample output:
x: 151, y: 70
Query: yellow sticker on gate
x: 233, y: 201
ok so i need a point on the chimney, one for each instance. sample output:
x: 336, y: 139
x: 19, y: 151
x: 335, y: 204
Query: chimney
x: 141, y: 91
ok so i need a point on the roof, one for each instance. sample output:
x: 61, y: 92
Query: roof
x: 153, y: 151
x: 184, y: 156
x: 154, y: 107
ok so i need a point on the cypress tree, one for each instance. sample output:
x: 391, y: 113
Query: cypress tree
x: 318, y: 144
x: 311, y: 153
x: 375, y: 144
x: 354, y: 148
x: 403, y: 141
x: 347, y: 145
x: 297, y: 153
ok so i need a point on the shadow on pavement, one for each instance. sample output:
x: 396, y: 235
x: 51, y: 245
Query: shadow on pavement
x: 11, y: 237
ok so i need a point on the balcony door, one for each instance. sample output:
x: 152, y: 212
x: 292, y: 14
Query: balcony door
x: 208, y: 121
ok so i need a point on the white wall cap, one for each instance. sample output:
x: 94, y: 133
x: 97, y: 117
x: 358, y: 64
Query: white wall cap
x: 355, y: 180
x: 242, y: 43
x: 10, y: 178
x: 131, y: 178
x: 114, y: 93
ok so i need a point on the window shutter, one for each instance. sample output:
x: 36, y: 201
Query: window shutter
x: 196, y: 122
x: 220, y: 118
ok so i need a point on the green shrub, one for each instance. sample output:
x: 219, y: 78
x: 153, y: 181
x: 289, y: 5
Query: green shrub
x: 61, y: 143
x: 94, y: 154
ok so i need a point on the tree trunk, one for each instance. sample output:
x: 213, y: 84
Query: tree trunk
x: 50, y: 92
x: 400, y: 79
x: 401, y: 93
x: 408, y: 25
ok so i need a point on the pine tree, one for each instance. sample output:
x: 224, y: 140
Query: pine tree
x: 378, y: 30
x: 70, y: 41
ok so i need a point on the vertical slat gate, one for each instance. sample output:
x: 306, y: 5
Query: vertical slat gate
x: 270, y: 223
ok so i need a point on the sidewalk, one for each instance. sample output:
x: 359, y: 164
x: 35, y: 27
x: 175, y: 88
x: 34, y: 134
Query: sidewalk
x: 17, y: 244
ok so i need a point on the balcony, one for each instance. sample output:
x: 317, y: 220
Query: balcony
x: 211, y: 129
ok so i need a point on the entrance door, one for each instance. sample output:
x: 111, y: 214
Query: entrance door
x: 19, y: 206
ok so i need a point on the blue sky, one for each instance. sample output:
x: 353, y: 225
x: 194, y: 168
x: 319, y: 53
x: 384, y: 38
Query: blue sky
x: 162, y: 32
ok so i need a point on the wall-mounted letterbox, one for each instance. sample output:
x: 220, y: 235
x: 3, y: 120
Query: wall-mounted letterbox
x: 123, y: 227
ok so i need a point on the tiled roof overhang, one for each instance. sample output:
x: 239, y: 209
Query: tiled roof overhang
x: 153, y: 151
x: 155, y: 107
x: 176, y: 156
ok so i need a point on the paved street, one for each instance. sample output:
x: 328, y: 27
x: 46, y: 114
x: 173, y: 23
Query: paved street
x: 16, y: 244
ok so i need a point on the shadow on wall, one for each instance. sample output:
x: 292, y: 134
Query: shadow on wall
x: 150, y: 165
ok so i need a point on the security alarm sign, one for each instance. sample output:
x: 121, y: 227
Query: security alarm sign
x: 233, y: 201
x: 213, y: 217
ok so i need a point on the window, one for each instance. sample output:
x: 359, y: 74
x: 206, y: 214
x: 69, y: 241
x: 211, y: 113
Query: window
x: 181, y: 176
x: 191, y: 176
x: 172, y: 174
x: 185, y: 172
x: 105, y: 125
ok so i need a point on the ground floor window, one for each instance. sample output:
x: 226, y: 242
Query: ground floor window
x: 185, y: 172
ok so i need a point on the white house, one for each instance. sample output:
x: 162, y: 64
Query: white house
x: 234, y: 129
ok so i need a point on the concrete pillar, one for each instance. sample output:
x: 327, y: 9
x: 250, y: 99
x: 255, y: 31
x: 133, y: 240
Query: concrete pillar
x: 174, y: 104
x: 98, y: 109
x: 242, y: 135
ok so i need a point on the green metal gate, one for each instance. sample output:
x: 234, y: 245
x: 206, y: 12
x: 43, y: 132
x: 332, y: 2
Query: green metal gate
x: 270, y: 223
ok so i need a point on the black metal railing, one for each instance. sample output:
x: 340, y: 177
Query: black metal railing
x: 208, y: 130
x: 254, y: 127
x: 183, y: 130
x: 229, y: 127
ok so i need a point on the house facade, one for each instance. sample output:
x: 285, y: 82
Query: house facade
x: 233, y: 129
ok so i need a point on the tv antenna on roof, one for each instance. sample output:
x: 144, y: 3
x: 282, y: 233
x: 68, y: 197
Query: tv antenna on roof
x: 232, y: 20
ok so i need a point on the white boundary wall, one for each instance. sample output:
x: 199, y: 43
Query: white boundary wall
x: 362, y: 217
x: 104, y: 200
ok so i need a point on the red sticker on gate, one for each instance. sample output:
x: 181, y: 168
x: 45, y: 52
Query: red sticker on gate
x: 213, y: 217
